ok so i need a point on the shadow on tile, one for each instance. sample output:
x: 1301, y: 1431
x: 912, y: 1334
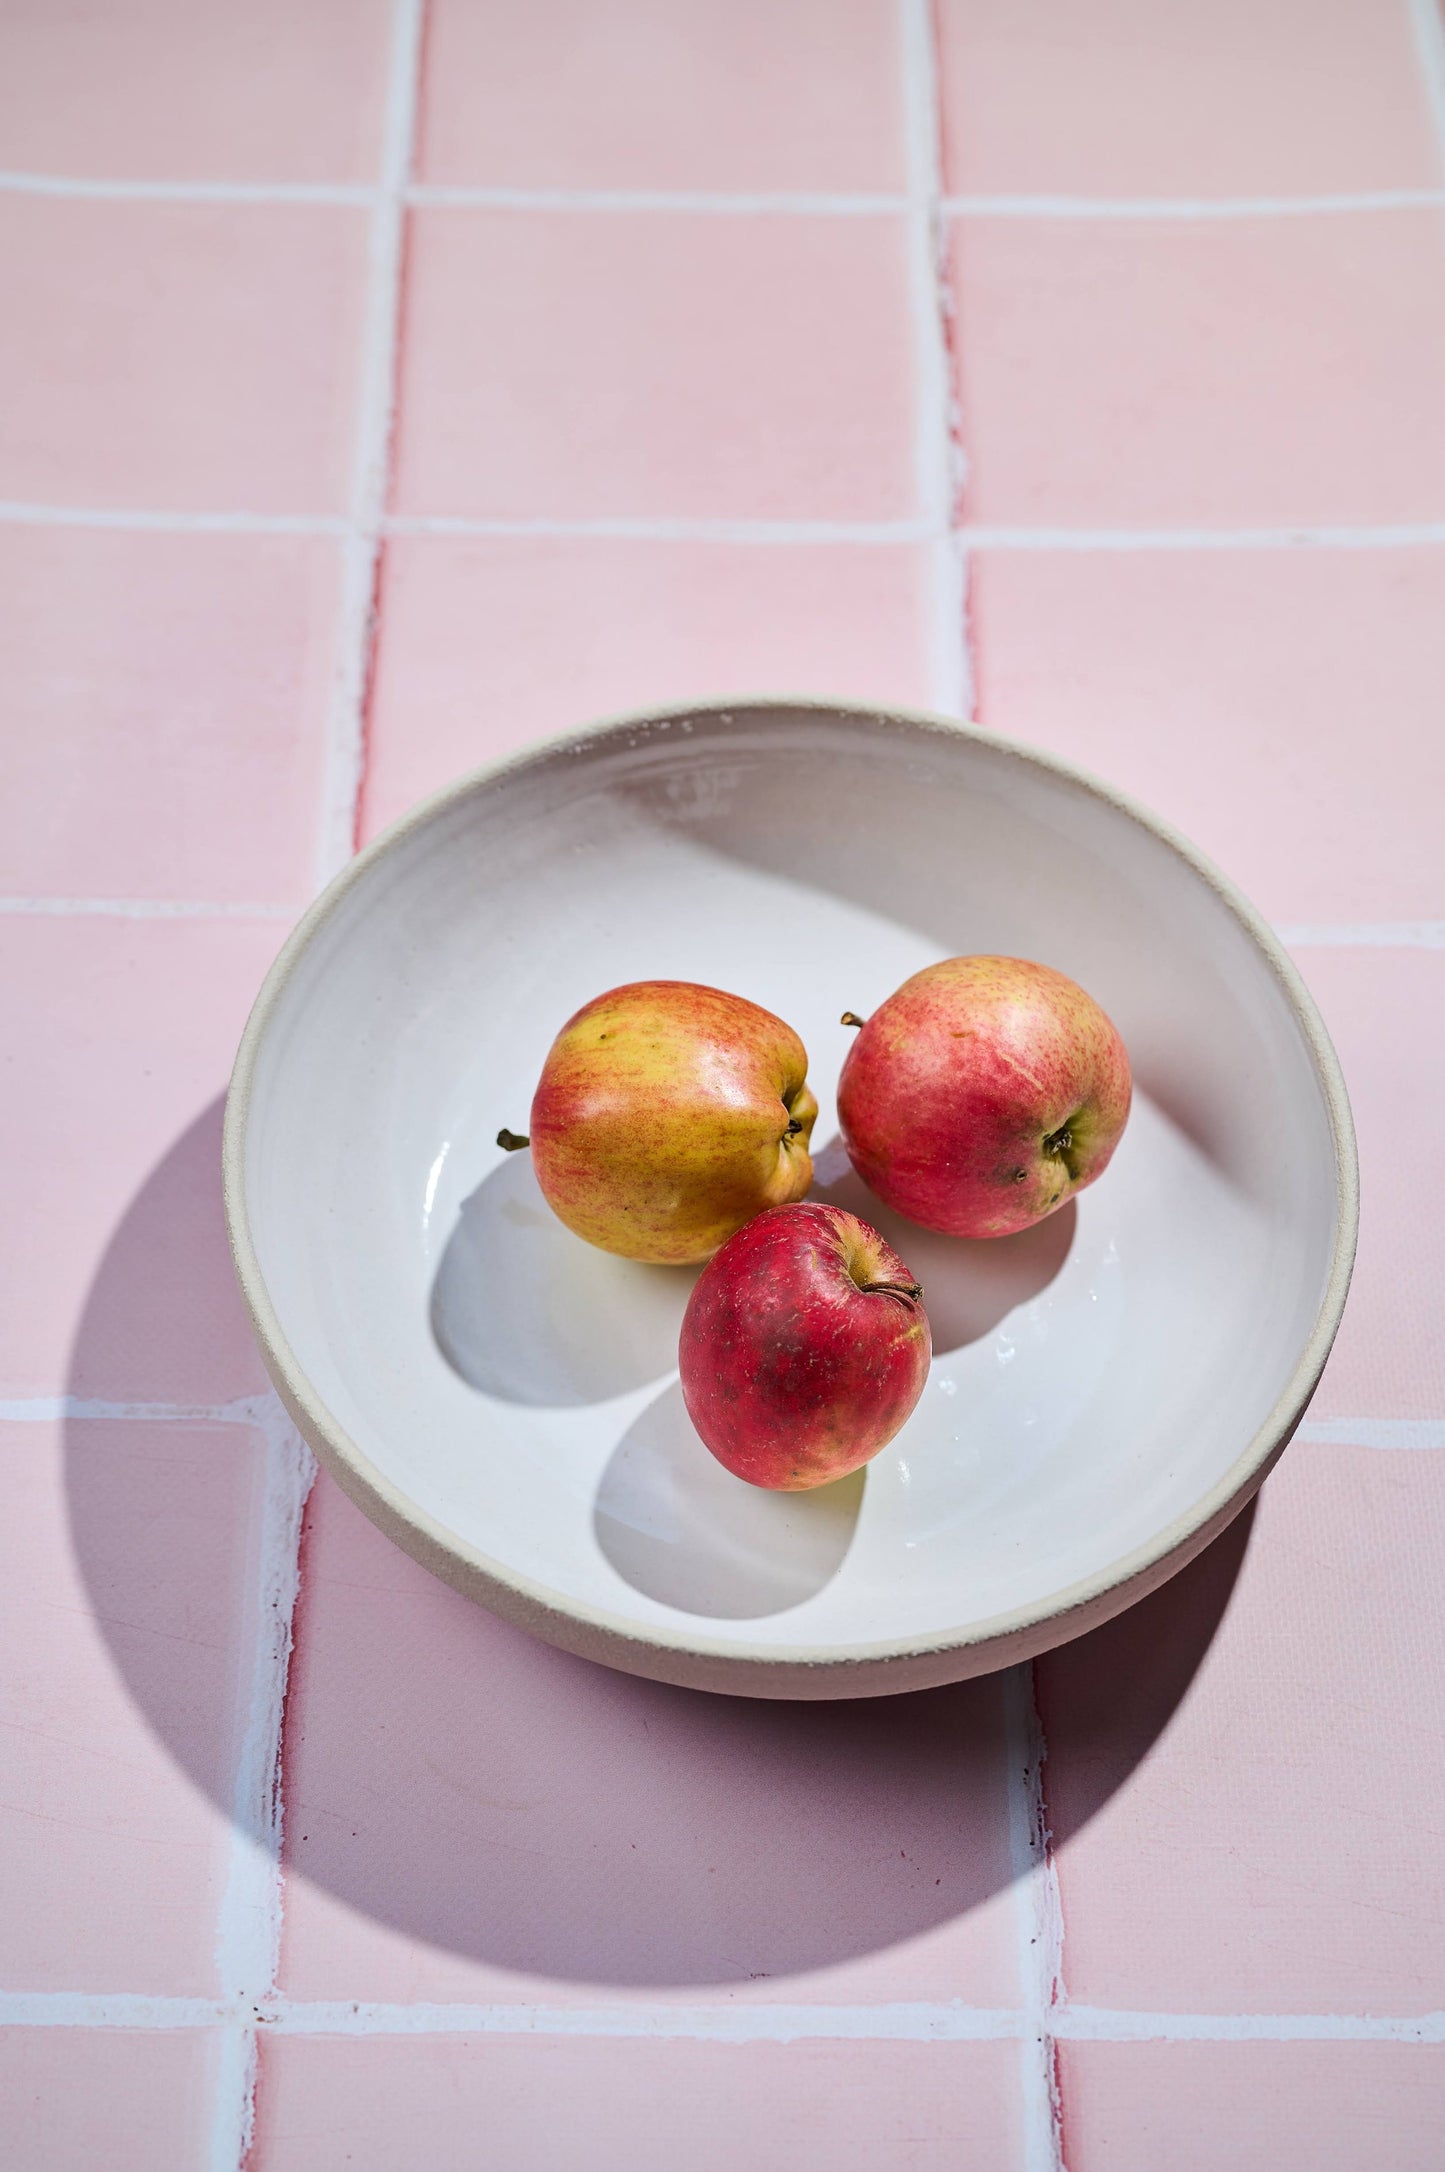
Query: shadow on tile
x: 468, y: 1787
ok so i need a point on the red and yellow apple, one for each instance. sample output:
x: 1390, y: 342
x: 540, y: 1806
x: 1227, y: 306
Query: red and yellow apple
x: 983, y: 1095
x: 804, y: 1347
x: 667, y: 1115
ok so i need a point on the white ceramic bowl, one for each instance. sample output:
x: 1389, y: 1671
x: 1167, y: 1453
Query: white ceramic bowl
x: 1107, y: 1389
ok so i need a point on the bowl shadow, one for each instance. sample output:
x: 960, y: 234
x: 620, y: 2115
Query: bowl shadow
x: 459, y: 1783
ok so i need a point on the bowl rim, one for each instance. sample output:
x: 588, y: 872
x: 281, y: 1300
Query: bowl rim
x: 729, y: 1663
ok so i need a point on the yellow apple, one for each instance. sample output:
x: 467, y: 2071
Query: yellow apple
x: 667, y: 1115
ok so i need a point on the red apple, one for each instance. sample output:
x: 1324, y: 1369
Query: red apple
x: 804, y: 1347
x: 666, y: 1115
x: 982, y: 1095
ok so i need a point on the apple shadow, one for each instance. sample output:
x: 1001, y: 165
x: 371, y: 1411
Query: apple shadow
x: 514, y: 1808
x: 525, y: 1311
x: 682, y: 1529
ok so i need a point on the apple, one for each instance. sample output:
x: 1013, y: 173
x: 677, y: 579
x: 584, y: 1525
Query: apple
x: 666, y: 1116
x: 982, y: 1095
x: 804, y: 1347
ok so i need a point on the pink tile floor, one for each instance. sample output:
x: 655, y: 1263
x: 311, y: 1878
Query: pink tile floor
x: 385, y: 384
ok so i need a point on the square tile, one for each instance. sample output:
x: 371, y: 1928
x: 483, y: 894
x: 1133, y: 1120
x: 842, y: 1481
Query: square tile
x: 561, y: 365
x: 1131, y: 98
x: 471, y: 1815
x: 1282, y: 706
x: 1253, y: 2107
x: 125, y: 1609
x: 174, y: 356
x: 574, y: 2105
x: 133, y: 2100
x: 1385, y: 1010
x: 167, y: 698
x: 721, y: 94
x: 489, y: 643
x: 1235, y: 1768
x: 1239, y: 372
x: 181, y: 90
x: 111, y: 1200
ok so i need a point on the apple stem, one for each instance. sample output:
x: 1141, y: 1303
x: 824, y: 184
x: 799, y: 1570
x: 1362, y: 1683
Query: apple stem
x: 512, y: 1140
x: 894, y: 1289
x: 851, y: 1018
x: 794, y: 1127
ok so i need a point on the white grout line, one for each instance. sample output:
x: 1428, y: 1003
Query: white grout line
x: 1039, y: 1920
x: 185, y: 192
x: 937, y: 452
x: 144, y: 908
x: 1389, y: 1434
x: 105, y: 2010
x: 1107, y: 2025
x: 1429, y: 28
x: 807, y: 204
x: 20, y: 513
x: 376, y: 402
x: 52, y: 1409
x: 784, y: 203
x: 1366, y: 934
x: 1190, y: 207
x: 1385, y: 536
x: 663, y: 529
x: 921, y: 2022
x: 248, y: 1939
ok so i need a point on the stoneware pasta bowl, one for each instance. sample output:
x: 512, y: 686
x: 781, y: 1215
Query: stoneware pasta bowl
x: 1108, y: 1389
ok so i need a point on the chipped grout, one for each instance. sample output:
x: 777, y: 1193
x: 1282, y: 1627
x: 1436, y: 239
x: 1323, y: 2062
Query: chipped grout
x: 248, y: 1936
x: 1039, y: 1920
x: 376, y: 411
x: 939, y: 468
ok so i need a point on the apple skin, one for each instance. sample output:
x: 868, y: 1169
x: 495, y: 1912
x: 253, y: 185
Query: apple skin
x: 804, y: 1347
x: 667, y: 1115
x: 983, y: 1095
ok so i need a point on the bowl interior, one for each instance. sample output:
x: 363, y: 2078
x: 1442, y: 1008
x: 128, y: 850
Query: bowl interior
x: 1093, y: 1378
